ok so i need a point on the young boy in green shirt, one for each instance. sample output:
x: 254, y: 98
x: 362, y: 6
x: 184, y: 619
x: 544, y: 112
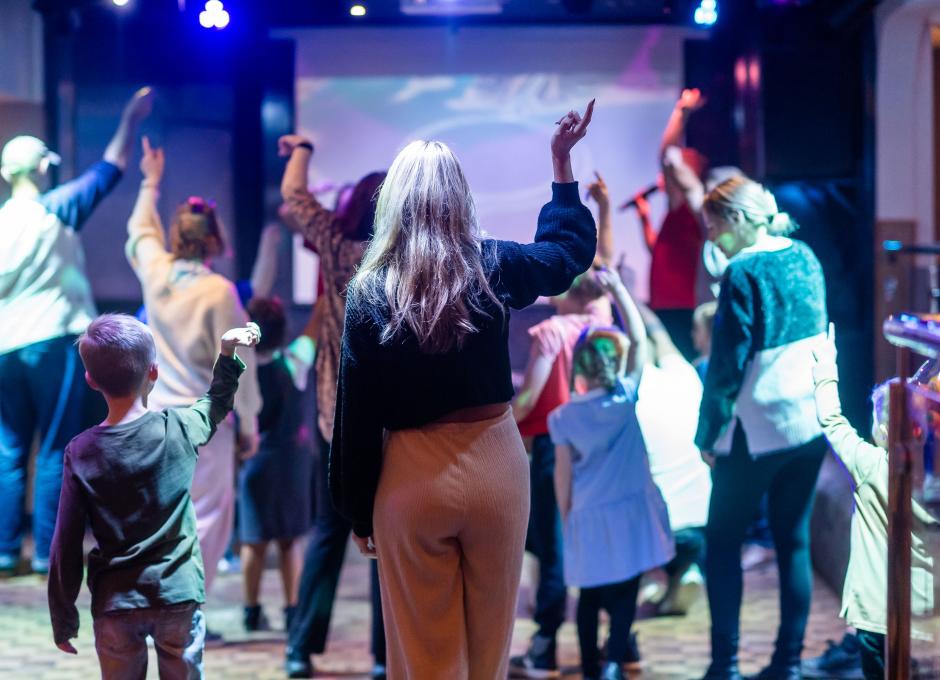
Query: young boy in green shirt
x: 130, y: 477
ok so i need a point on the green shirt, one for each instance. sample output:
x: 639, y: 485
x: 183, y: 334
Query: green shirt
x: 131, y: 482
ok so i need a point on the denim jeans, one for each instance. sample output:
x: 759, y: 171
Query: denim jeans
x: 544, y: 540
x: 178, y: 632
x: 42, y: 388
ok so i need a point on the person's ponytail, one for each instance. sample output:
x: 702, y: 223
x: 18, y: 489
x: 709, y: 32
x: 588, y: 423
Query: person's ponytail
x: 781, y: 224
x: 753, y: 201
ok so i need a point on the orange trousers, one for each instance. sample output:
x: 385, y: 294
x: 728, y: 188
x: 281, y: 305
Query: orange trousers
x: 450, y: 522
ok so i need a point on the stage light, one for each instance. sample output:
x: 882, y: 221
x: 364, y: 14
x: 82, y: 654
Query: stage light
x: 357, y: 10
x: 706, y: 13
x: 120, y: 3
x: 214, y: 15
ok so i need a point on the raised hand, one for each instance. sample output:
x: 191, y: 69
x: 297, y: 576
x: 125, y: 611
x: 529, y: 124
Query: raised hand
x: 642, y: 206
x: 246, y: 336
x: 152, y: 162
x: 825, y: 352
x: 608, y: 279
x: 571, y: 129
x: 140, y: 105
x: 287, y: 143
x: 691, y: 100
x: 598, y: 191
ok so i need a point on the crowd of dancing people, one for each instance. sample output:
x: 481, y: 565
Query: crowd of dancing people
x: 638, y: 439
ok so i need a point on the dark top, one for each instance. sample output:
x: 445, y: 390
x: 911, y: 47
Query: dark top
x: 771, y: 303
x: 74, y: 201
x: 132, y: 482
x: 396, y: 386
x: 274, y: 485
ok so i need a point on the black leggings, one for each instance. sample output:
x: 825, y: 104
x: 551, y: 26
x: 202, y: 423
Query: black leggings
x: 739, y: 482
x: 619, y: 601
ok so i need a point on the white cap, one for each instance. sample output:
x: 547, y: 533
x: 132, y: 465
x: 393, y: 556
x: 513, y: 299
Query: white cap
x: 25, y: 154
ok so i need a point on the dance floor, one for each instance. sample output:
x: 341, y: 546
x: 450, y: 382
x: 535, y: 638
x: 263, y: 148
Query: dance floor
x: 672, y: 648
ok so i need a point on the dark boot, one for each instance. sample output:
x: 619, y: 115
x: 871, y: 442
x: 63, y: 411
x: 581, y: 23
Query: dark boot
x: 254, y: 619
x: 297, y: 664
x: 541, y: 661
x: 289, y: 616
x: 724, y: 664
x: 785, y: 662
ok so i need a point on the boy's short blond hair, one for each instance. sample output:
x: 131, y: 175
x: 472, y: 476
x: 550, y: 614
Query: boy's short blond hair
x: 117, y: 351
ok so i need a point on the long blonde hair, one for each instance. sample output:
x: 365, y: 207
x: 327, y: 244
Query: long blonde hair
x: 424, y: 261
x: 756, y: 204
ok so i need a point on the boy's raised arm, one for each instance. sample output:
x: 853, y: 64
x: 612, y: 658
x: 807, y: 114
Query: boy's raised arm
x: 201, y: 418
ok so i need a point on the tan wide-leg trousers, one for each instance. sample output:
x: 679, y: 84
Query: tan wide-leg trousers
x: 450, y: 524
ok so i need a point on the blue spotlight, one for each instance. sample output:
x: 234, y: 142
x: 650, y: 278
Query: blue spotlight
x: 706, y: 13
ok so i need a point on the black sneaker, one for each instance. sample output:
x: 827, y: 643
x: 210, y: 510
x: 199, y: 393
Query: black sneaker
x: 541, y: 661
x: 841, y: 661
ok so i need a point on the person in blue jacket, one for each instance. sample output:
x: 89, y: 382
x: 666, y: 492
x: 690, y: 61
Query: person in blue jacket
x: 45, y: 304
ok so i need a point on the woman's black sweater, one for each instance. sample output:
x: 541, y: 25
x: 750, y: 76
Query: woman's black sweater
x: 396, y: 386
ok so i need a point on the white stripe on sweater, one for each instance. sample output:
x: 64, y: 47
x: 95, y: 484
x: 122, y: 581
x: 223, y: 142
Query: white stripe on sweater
x: 776, y: 404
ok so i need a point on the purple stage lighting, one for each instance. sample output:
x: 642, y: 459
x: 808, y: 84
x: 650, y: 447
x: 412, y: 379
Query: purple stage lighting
x: 214, y: 15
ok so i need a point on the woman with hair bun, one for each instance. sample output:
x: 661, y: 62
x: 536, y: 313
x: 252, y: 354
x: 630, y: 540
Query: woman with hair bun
x: 188, y: 307
x: 757, y: 421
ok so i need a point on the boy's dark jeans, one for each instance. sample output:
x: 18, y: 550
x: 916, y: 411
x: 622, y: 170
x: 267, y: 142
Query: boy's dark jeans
x: 544, y: 540
x: 179, y: 636
x: 43, y: 389
x: 739, y: 482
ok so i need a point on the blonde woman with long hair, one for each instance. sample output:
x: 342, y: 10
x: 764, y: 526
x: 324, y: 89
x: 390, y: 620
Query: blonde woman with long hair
x: 442, y: 499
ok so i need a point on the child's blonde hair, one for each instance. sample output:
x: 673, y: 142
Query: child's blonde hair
x: 599, y: 356
x: 117, y: 351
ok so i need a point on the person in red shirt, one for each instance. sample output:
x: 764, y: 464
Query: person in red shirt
x: 676, y: 249
x: 546, y: 386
